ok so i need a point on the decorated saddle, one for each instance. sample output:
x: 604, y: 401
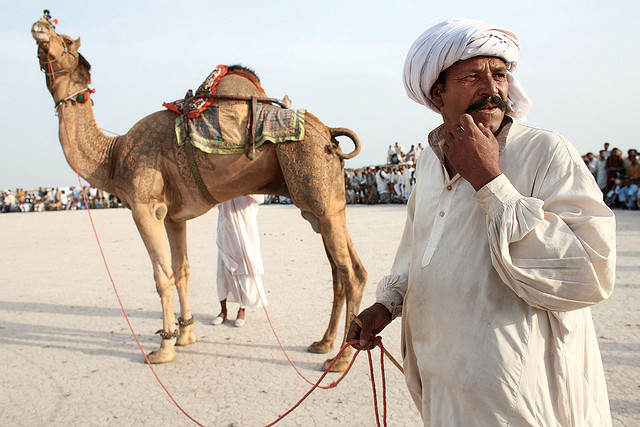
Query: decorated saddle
x: 233, y: 127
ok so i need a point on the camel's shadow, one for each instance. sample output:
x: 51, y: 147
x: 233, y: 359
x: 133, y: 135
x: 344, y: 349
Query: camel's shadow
x: 120, y: 343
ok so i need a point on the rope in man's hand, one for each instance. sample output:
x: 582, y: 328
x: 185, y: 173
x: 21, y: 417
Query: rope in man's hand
x: 354, y: 318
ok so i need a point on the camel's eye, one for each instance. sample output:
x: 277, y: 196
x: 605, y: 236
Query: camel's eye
x: 68, y: 42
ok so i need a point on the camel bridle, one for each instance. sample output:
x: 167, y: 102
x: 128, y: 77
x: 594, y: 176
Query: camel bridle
x: 46, y: 65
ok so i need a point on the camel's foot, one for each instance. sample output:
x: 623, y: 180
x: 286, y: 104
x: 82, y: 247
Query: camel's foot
x: 320, y: 347
x: 186, y: 336
x: 340, y: 365
x: 164, y: 354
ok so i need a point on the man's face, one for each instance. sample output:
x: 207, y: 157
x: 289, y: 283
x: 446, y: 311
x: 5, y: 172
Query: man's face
x: 476, y: 86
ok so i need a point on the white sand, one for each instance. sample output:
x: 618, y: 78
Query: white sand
x: 68, y: 357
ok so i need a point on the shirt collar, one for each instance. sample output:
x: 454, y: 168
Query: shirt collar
x: 436, y: 138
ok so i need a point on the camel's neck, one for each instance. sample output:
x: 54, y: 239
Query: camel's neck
x: 83, y: 143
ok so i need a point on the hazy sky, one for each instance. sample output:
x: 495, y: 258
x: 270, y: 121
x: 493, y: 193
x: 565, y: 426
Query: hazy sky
x: 341, y: 60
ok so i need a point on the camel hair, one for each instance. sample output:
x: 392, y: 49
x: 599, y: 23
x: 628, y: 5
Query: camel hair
x: 152, y: 176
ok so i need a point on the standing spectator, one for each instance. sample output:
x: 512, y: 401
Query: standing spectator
x: 601, y: 171
x: 411, y: 154
x: 372, y: 187
x: 407, y: 180
x: 607, y: 152
x: 615, y: 167
x: 397, y: 183
x: 627, y: 160
x: 382, y: 184
x: 419, y: 149
x: 390, y: 153
x: 239, y: 257
x: 633, y: 170
x: 591, y: 162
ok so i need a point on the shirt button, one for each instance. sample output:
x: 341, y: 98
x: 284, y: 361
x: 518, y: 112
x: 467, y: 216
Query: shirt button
x: 449, y: 187
x: 441, y: 213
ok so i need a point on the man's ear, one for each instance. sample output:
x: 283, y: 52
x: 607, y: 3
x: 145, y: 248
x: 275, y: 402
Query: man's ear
x: 436, y: 94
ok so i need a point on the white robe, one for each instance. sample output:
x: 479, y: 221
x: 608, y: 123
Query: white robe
x: 497, y: 286
x: 239, y: 258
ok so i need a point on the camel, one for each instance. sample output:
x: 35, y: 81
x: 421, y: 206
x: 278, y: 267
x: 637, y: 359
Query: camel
x: 151, y: 175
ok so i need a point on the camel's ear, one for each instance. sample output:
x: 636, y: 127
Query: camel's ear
x: 436, y: 94
x: 77, y: 43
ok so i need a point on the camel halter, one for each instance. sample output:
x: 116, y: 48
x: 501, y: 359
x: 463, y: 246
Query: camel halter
x: 51, y: 73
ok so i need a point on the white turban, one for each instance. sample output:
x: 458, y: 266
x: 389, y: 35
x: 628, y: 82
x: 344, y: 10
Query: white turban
x: 444, y: 44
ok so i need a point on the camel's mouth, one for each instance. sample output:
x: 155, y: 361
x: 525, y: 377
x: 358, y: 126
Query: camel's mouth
x: 40, y: 32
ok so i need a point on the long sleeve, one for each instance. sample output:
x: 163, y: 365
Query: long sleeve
x: 556, y: 252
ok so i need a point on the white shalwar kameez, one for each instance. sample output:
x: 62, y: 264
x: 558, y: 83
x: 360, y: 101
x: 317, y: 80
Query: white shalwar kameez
x: 497, y: 284
x: 238, y: 244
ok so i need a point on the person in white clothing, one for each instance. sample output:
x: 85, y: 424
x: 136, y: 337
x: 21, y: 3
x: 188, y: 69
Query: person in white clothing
x: 239, y: 258
x: 507, y: 243
x: 407, y: 175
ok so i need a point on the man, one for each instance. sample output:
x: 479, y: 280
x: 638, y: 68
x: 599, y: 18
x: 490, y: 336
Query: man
x: 615, y: 167
x: 507, y: 243
x: 411, y: 154
x: 591, y: 162
x: 239, y: 258
x: 633, y: 170
x: 390, y: 153
x: 624, y: 195
x: 382, y: 184
x: 601, y: 170
x: 400, y: 152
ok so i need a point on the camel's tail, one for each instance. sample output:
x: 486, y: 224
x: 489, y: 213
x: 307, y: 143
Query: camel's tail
x: 351, y: 135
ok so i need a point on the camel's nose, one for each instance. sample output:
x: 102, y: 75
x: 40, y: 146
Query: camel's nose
x: 40, y: 31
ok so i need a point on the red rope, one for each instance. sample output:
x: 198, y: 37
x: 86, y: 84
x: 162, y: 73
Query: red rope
x: 115, y: 290
x: 264, y: 308
x: 104, y: 259
x: 373, y: 383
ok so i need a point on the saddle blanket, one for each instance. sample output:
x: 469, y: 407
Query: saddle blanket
x: 223, y: 129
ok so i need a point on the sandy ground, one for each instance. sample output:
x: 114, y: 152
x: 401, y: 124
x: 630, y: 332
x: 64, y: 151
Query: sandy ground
x: 68, y: 357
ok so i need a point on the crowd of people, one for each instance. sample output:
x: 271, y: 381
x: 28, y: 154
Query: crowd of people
x: 618, y: 177
x: 388, y: 183
x: 56, y: 199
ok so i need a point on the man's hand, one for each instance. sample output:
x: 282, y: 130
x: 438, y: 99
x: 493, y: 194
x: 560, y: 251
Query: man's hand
x: 374, y: 319
x: 473, y: 152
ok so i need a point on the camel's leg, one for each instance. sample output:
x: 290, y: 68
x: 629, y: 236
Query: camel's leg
x: 149, y: 219
x: 326, y: 343
x: 351, y: 279
x: 177, y: 234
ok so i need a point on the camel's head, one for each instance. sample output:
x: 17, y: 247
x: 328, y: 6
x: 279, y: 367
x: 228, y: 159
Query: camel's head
x: 58, y: 53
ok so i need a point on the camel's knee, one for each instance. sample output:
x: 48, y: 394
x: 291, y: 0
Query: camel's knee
x: 182, y: 271
x: 164, y: 279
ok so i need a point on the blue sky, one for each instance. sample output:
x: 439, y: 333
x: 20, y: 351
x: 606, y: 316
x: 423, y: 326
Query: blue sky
x: 341, y: 60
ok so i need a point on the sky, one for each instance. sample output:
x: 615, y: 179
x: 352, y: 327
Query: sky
x: 340, y: 60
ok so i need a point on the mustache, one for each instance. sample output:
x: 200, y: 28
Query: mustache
x: 493, y: 100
